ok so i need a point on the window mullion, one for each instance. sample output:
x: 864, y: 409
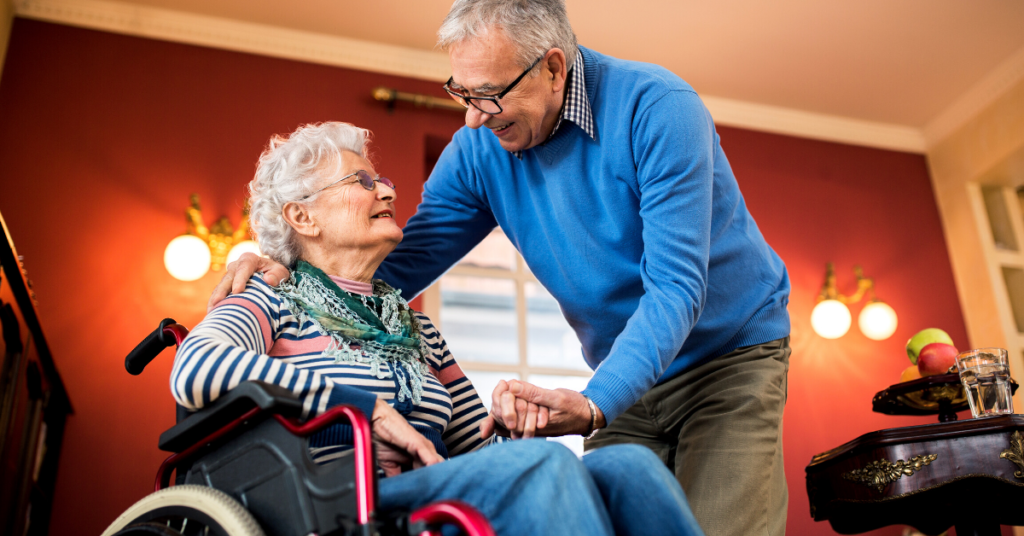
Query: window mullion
x: 524, y: 369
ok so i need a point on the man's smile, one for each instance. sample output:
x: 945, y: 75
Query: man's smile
x: 501, y: 129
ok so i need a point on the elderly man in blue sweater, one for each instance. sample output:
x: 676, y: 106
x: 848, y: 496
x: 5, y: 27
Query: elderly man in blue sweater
x: 609, y: 178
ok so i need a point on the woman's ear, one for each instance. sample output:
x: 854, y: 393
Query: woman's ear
x: 299, y: 217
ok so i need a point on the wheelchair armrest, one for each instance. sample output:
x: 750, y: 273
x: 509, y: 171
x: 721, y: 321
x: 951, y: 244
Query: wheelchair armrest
x: 271, y: 399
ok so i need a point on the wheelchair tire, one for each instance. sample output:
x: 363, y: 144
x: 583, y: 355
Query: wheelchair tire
x: 185, y: 510
x: 147, y: 529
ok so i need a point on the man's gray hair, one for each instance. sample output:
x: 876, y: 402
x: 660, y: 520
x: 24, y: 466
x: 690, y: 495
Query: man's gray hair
x: 291, y: 168
x: 533, y: 26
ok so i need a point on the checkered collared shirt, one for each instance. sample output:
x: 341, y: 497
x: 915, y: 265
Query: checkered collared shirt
x: 576, y: 107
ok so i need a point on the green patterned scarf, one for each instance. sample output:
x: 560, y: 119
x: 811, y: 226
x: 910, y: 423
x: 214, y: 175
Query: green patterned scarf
x: 381, y: 326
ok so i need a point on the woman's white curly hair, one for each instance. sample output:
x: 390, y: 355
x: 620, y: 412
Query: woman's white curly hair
x: 291, y: 168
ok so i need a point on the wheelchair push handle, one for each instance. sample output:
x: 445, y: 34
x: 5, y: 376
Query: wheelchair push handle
x: 168, y: 333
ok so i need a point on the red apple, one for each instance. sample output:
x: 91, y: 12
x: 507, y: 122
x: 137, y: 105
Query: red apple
x: 924, y: 338
x: 936, y: 358
x: 910, y: 373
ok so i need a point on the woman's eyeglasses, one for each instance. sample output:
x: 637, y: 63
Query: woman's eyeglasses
x: 363, y: 178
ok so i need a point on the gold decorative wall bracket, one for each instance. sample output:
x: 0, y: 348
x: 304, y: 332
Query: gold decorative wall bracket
x: 830, y: 291
x: 880, y: 473
x: 221, y: 237
x: 1015, y: 453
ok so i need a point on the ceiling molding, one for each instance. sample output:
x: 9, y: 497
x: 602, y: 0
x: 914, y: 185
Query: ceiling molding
x: 975, y: 100
x: 814, y: 125
x: 181, y: 27
x: 238, y: 36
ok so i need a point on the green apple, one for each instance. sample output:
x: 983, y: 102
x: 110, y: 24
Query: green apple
x: 924, y: 338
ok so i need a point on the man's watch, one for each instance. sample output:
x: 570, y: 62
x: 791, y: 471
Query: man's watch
x: 593, y: 417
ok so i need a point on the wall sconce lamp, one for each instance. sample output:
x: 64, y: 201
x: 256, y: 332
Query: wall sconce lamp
x: 831, y: 317
x: 189, y: 256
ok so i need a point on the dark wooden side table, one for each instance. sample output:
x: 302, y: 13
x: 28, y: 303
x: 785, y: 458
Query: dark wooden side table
x: 968, y: 474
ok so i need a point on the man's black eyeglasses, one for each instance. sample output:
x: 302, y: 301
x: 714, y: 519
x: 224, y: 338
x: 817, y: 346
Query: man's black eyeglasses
x: 487, y: 105
x: 364, y: 179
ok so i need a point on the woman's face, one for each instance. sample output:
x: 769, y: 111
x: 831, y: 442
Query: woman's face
x: 352, y: 217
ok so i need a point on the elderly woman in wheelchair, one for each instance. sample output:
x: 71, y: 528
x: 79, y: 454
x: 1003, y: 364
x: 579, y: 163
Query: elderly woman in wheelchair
x: 332, y: 335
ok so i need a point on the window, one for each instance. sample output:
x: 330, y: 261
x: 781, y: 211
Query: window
x: 501, y: 323
x: 1001, y: 240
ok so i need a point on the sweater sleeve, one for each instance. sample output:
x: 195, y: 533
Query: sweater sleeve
x: 673, y: 149
x: 230, y: 346
x: 448, y: 223
x: 463, y: 432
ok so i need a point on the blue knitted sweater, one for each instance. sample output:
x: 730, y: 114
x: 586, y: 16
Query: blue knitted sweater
x: 641, y: 235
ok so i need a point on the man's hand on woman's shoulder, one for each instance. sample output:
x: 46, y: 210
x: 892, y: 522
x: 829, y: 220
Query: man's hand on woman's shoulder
x: 237, y: 274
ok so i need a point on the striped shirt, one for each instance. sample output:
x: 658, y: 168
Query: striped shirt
x: 254, y: 336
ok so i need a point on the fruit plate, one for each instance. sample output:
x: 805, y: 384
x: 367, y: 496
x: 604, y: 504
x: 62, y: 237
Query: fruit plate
x: 942, y: 395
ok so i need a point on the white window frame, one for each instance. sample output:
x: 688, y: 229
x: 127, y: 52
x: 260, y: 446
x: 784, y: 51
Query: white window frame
x: 996, y: 259
x: 520, y: 276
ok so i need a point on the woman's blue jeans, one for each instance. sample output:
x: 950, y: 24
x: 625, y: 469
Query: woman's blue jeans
x: 641, y: 495
x: 539, y: 487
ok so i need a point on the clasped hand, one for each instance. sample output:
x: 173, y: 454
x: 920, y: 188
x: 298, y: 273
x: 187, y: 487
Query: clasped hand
x: 522, y: 410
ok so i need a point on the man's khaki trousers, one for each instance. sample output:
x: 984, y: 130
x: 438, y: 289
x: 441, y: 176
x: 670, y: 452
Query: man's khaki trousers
x: 718, y: 427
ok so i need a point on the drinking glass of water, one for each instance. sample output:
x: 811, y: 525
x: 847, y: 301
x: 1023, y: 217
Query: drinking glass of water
x: 985, y: 373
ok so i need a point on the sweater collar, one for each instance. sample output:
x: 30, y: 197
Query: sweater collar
x: 578, y: 94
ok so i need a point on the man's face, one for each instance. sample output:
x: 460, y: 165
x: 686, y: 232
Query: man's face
x: 484, y: 66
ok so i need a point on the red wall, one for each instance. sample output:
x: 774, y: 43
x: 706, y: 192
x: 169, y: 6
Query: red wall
x: 102, y: 138
x: 817, y: 202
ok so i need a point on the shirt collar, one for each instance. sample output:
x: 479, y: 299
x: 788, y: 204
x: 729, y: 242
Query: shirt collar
x: 577, y: 106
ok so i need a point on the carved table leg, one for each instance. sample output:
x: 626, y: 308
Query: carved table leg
x: 946, y: 413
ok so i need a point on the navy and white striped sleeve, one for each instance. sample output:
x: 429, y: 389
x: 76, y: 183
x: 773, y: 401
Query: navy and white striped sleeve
x: 463, y: 432
x: 230, y: 346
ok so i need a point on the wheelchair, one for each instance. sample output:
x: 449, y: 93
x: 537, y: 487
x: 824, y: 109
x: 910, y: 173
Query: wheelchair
x: 243, y: 468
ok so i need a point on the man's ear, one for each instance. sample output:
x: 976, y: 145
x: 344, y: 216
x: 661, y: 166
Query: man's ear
x: 299, y: 217
x: 554, y: 62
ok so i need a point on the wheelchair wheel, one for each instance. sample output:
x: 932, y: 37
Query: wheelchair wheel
x: 185, y: 511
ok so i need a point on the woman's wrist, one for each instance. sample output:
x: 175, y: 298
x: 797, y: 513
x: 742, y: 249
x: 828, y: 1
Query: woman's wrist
x: 380, y: 410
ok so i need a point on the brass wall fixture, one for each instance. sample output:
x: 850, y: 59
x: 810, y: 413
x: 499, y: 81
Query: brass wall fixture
x: 1015, y: 453
x: 189, y: 256
x: 831, y: 317
x: 391, y: 96
x: 880, y: 473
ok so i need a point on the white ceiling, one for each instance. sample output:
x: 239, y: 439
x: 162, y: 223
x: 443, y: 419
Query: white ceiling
x: 904, y: 63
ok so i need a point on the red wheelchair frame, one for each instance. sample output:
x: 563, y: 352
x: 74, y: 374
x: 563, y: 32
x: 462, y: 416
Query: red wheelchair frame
x: 189, y: 447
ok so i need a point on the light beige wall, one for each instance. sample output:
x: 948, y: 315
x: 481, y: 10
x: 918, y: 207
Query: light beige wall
x: 979, y: 147
x: 987, y: 150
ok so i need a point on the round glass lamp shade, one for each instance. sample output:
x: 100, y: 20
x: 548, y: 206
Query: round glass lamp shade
x: 831, y: 319
x: 245, y: 246
x: 187, y: 258
x: 877, y: 321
